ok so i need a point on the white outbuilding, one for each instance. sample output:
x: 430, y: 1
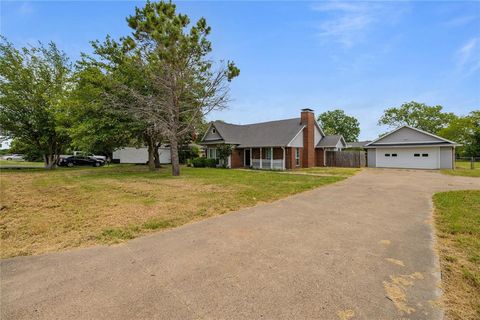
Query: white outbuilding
x: 412, y: 148
x: 139, y: 155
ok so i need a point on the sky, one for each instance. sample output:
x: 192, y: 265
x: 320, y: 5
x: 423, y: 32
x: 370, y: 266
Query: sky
x: 362, y: 57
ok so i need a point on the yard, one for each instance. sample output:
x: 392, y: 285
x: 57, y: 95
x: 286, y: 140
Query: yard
x: 457, y: 218
x: 46, y: 211
x: 462, y: 168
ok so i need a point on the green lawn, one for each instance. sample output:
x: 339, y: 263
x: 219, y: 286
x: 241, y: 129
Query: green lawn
x: 457, y: 218
x: 6, y: 163
x: 72, y: 207
x: 462, y: 168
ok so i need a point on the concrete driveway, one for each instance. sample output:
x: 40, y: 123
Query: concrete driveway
x: 358, y: 249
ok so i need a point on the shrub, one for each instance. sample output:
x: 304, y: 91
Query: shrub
x: 204, y: 162
x: 211, y: 163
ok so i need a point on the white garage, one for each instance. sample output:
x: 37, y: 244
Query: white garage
x: 408, y: 147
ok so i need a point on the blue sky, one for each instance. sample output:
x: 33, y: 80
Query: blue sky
x: 361, y: 57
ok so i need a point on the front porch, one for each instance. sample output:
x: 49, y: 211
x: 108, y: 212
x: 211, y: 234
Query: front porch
x: 269, y: 158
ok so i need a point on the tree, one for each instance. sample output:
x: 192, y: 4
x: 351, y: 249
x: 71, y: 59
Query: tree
x: 178, y: 84
x: 337, y: 122
x: 34, y: 84
x: 417, y: 115
x: 93, y: 125
x: 466, y: 131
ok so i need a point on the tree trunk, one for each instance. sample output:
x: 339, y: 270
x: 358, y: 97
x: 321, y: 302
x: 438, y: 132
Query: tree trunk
x: 174, y: 156
x: 151, y: 154
x: 50, y: 161
x: 156, y: 156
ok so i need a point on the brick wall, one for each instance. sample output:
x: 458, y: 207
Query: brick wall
x: 237, y: 158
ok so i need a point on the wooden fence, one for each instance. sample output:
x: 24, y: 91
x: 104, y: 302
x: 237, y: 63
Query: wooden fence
x: 349, y: 159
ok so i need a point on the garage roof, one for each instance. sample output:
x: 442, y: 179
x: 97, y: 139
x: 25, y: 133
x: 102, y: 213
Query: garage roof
x: 409, y: 136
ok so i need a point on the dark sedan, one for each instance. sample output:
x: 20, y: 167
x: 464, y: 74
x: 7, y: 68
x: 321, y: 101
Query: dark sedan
x: 80, y: 161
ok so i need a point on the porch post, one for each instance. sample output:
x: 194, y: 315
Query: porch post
x: 283, y: 159
x: 271, y: 157
x: 251, y: 165
x: 261, y: 158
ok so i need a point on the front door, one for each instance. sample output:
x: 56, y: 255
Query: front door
x: 247, y: 157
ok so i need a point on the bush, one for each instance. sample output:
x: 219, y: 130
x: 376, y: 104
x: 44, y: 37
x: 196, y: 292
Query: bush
x: 211, y: 163
x: 204, y: 162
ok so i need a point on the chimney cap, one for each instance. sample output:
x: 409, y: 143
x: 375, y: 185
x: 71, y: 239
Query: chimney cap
x: 307, y: 110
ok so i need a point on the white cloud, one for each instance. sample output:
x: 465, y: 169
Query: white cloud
x: 469, y: 57
x: 348, y: 23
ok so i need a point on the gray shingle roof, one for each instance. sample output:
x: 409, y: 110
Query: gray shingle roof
x: 329, y: 141
x: 358, y: 144
x: 266, y: 134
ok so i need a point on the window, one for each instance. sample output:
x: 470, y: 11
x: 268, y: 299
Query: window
x: 268, y: 153
x: 212, y: 153
x: 416, y: 155
x: 297, y: 156
x: 214, y: 130
x: 424, y: 154
x: 394, y: 154
x: 387, y: 154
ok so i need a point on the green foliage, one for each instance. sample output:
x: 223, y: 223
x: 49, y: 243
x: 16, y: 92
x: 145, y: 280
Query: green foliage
x: 188, y: 152
x: 162, y: 75
x: 417, y: 115
x: 203, y: 162
x: 94, y: 125
x: 466, y: 131
x: 223, y: 152
x: 337, y: 122
x: 35, y: 83
x: 31, y: 152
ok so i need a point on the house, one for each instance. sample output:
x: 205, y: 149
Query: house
x: 280, y: 145
x: 139, y: 155
x: 408, y: 147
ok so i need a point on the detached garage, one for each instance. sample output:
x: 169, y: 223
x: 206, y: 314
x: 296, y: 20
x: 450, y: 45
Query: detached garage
x: 408, y: 147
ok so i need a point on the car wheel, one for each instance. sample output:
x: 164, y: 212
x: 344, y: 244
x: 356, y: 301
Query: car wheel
x: 70, y: 164
x: 97, y: 164
x: 9, y: 159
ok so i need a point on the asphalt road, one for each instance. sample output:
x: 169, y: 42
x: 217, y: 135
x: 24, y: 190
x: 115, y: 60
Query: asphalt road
x: 358, y: 249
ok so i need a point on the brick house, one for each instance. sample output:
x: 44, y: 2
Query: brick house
x: 283, y: 144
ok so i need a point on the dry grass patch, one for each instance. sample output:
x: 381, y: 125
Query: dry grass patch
x: 457, y: 220
x: 48, y: 211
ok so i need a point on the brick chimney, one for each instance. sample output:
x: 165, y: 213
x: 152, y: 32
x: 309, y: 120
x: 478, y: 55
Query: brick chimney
x: 308, y: 119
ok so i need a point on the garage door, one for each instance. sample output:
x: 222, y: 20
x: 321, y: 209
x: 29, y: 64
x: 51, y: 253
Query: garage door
x: 414, y: 158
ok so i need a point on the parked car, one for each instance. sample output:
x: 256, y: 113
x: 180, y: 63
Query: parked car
x: 81, y: 153
x: 80, y: 161
x: 15, y: 157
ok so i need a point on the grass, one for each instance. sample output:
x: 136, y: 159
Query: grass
x: 457, y: 219
x: 44, y: 211
x: 462, y: 168
x: 8, y: 163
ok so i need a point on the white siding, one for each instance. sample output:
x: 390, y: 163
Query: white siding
x: 139, y: 155
x: 212, y: 134
x: 408, y: 135
x: 446, y: 158
x: 317, y: 136
x: 297, y: 142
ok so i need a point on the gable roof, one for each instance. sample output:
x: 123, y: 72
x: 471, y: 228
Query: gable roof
x: 331, y: 141
x: 436, y: 140
x: 266, y: 134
